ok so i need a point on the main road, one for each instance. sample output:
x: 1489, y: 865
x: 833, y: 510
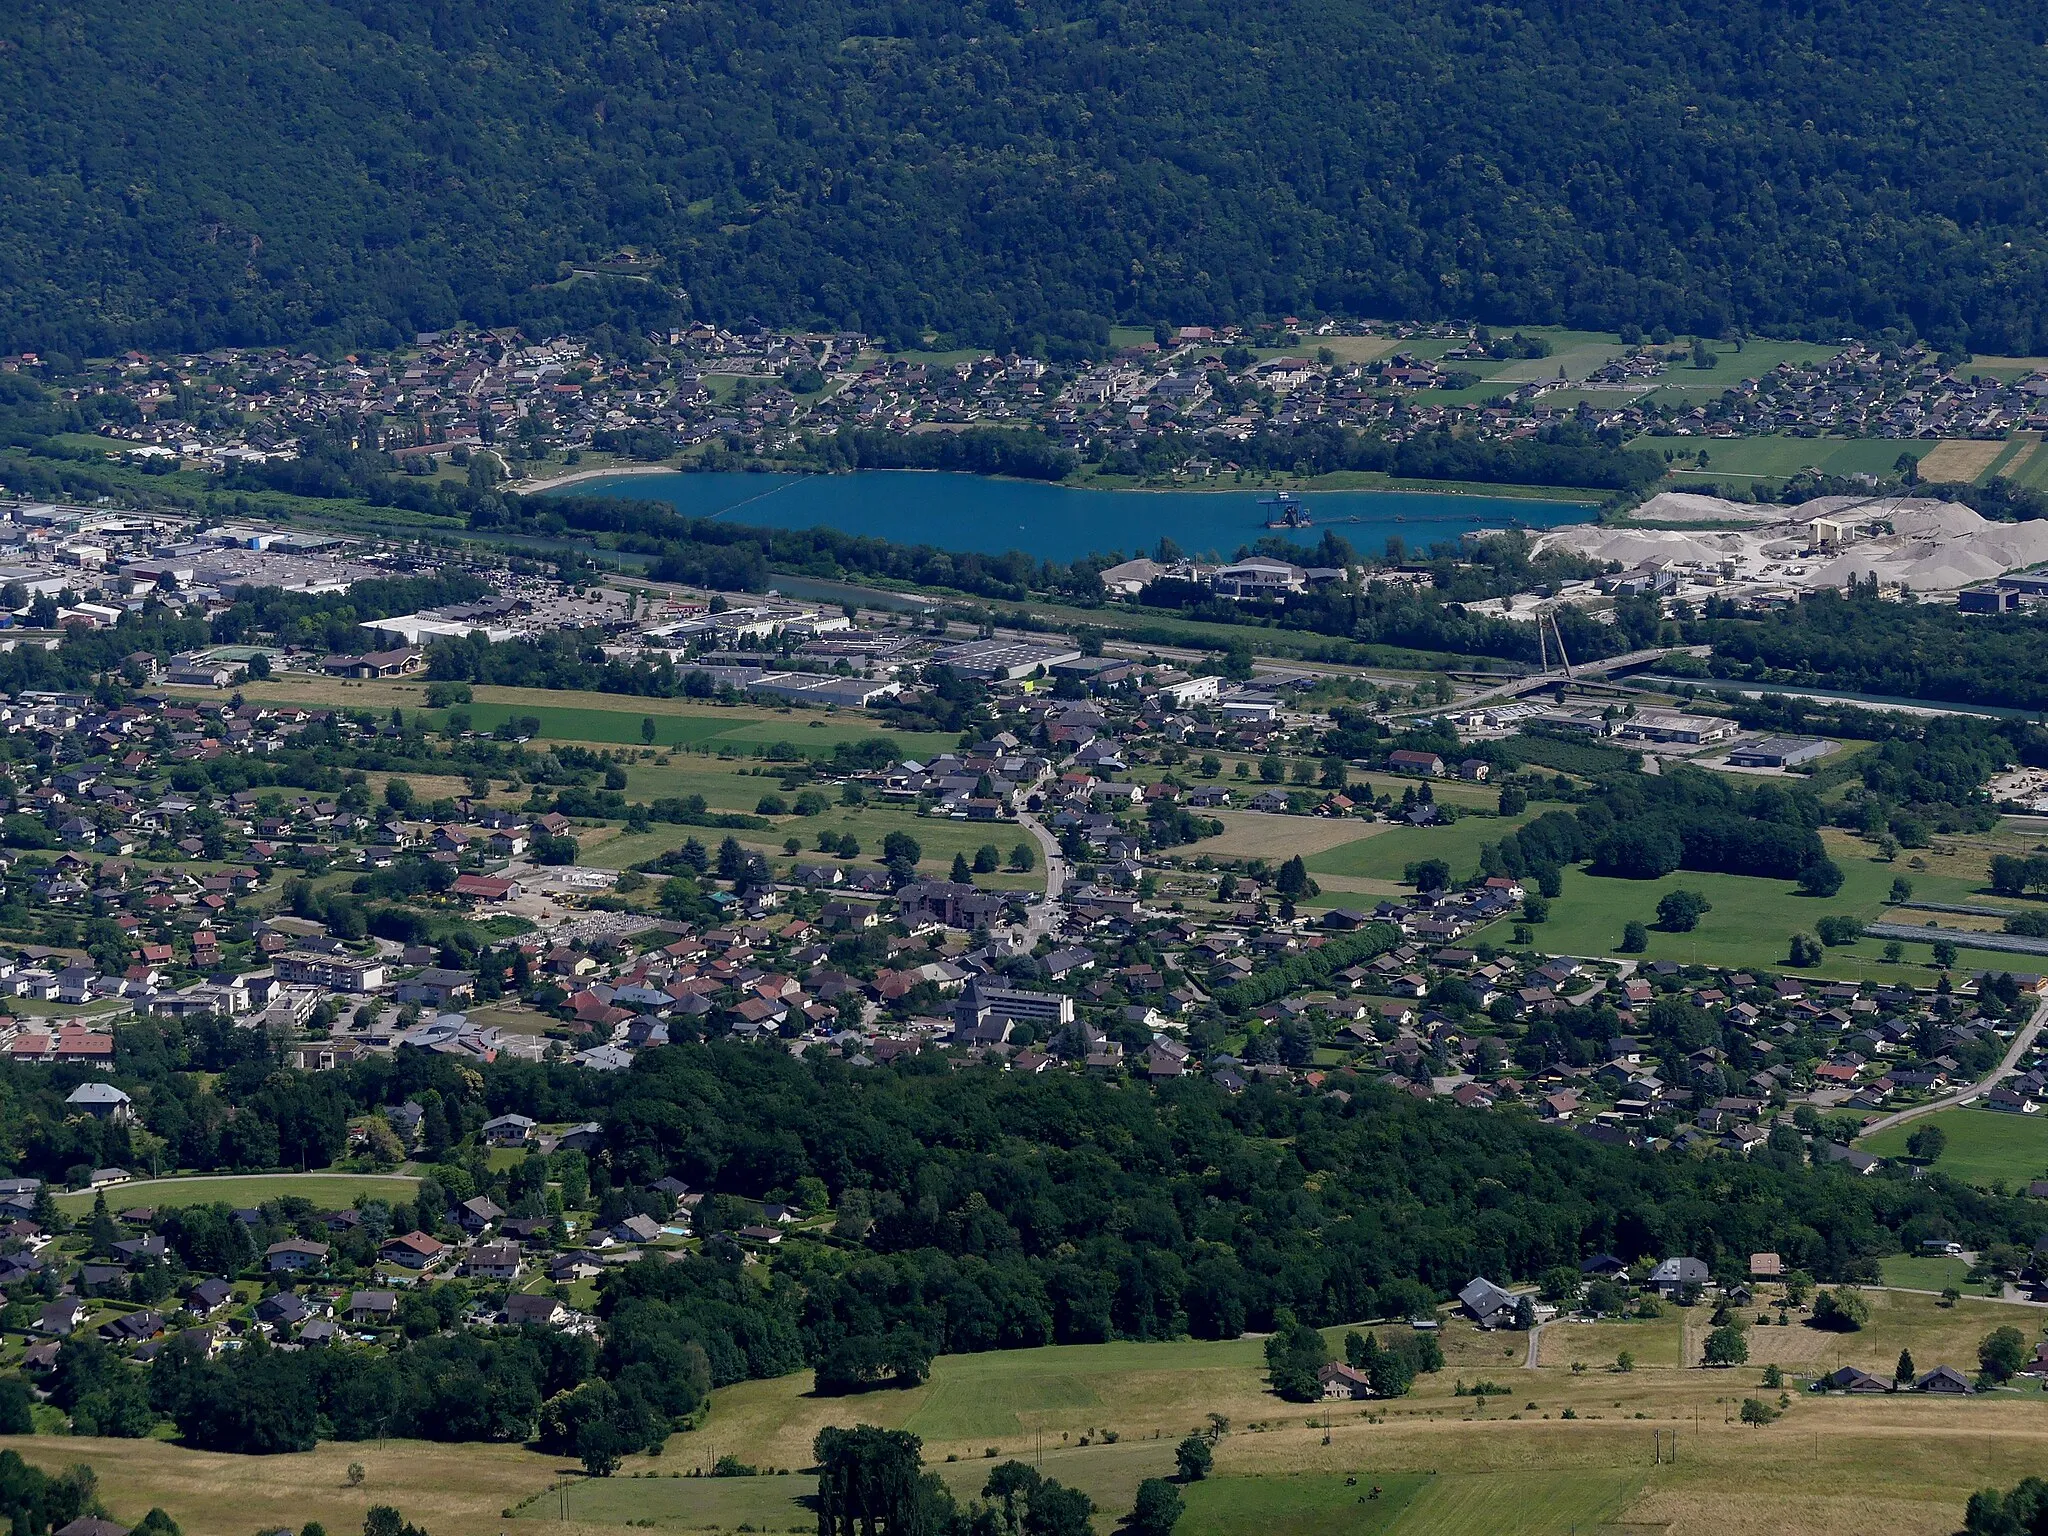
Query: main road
x: 2020, y: 1043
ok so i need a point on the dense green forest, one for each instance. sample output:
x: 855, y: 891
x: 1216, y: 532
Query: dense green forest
x: 201, y: 172
x: 1862, y: 643
x: 974, y: 1210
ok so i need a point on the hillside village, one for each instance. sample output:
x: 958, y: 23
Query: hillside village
x: 515, y: 400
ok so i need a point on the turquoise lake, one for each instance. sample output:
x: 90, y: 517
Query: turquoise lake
x: 1055, y: 522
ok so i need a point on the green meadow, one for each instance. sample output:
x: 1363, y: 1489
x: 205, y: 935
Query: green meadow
x: 328, y: 1191
x: 1776, y: 458
x: 742, y: 729
x: 1985, y: 1146
x: 1306, y: 1504
x: 1386, y: 854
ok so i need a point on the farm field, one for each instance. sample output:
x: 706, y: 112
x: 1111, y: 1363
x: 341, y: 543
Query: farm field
x: 1650, y: 1341
x: 1256, y: 835
x: 1775, y: 458
x: 328, y: 1191
x: 625, y: 726
x: 1447, y: 1465
x: 1984, y: 1145
x: 600, y: 719
x: 1312, y: 1505
x: 1386, y: 855
x: 1960, y: 461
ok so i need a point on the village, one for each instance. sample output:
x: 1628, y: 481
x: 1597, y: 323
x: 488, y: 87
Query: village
x: 517, y: 404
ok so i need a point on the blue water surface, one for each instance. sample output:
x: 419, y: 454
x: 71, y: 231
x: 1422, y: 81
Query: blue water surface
x: 1056, y: 522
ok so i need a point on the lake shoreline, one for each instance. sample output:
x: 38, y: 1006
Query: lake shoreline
x: 1567, y: 495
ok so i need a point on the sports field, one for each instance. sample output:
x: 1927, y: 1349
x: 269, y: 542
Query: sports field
x: 1985, y: 1146
x: 329, y: 1191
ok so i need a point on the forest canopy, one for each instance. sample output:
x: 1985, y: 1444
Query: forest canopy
x: 350, y: 172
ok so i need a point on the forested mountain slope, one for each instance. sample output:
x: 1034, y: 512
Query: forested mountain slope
x: 211, y: 171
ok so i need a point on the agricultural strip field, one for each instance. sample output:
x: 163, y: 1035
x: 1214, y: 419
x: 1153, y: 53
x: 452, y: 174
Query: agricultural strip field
x: 1960, y: 461
x: 1985, y: 1146
x: 328, y: 1191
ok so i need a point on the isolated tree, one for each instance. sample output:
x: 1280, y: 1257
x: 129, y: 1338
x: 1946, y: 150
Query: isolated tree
x: 1927, y: 1142
x: 2002, y: 1352
x: 1681, y: 911
x: 1635, y: 938
x: 1902, y: 1373
x: 1726, y: 1346
x: 1757, y: 1413
x: 1194, y: 1457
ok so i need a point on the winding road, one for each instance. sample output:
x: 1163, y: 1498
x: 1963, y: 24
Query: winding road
x: 2020, y: 1044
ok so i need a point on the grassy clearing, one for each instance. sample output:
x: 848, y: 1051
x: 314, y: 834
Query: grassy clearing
x: 1255, y: 835
x: 1752, y: 920
x: 457, y: 1489
x: 600, y: 718
x: 1326, y: 1505
x: 328, y: 1191
x: 939, y: 838
x: 1984, y: 1145
x: 1518, y: 1503
x: 1914, y: 1272
x: 1385, y: 856
x: 1775, y: 458
x: 1754, y: 360
x: 689, y: 1504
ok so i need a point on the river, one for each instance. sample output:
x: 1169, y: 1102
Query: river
x: 1056, y: 522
